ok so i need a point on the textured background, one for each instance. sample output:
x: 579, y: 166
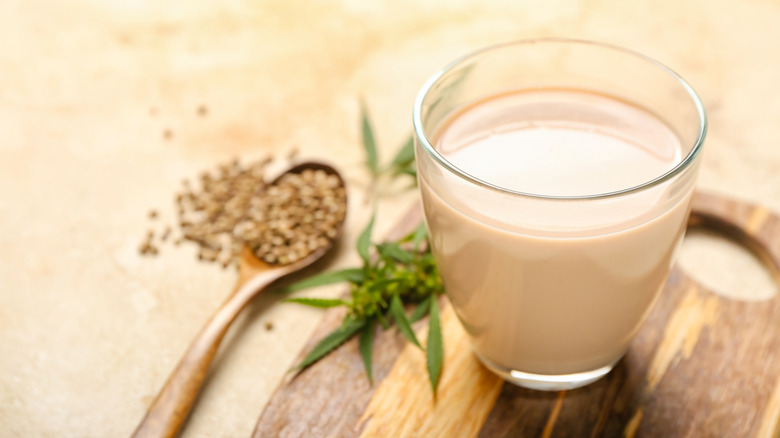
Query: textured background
x: 89, y: 330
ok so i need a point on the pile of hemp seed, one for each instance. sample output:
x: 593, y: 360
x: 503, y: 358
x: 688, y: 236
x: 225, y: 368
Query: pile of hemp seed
x: 235, y: 206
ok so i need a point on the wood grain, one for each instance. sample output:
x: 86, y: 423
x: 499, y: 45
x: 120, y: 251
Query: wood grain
x: 701, y: 366
x: 467, y: 391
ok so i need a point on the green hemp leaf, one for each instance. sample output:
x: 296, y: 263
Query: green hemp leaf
x: 394, y: 275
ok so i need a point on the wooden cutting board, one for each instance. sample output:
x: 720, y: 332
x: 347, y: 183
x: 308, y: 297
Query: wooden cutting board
x: 701, y: 366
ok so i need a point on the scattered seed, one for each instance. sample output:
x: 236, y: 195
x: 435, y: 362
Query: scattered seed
x: 147, y: 248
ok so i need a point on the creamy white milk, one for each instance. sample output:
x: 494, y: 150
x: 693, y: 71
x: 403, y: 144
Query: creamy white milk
x: 566, y: 298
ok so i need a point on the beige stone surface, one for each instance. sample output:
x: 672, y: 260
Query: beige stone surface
x: 89, y: 330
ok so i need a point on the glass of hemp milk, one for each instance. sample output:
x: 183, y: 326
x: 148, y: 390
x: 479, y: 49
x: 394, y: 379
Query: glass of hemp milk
x: 556, y: 177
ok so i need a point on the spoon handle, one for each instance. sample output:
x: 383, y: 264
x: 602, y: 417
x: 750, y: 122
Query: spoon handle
x: 174, y: 401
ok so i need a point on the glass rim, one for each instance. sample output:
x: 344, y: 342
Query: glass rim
x: 683, y: 164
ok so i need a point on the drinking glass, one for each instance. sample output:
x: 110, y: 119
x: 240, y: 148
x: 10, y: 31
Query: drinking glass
x: 551, y: 281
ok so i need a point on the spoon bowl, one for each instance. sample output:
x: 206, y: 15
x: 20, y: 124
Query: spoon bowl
x: 249, y: 266
x: 175, y: 400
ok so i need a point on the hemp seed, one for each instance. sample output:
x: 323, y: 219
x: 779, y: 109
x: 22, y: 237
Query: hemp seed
x: 235, y: 206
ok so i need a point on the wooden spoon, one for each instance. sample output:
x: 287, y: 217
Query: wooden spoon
x: 172, y: 405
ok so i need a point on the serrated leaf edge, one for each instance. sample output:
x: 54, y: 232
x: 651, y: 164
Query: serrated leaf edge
x: 397, y: 310
x: 434, y: 351
x: 330, y: 342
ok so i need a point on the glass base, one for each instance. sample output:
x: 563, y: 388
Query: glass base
x: 543, y: 382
